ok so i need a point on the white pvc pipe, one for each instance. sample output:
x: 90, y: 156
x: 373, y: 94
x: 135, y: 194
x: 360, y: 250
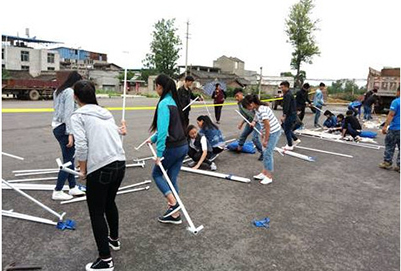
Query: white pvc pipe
x: 188, y: 105
x: 43, y: 187
x: 216, y: 174
x: 139, y: 164
x: 12, y: 156
x: 133, y: 185
x: 143, y: 159
x: 28, y: 217
x: 36, y: 173
x: 191, y: 227
x: 343, y: 142
x: 64, y: 167
x: 34, y: 170
x: 143, y: 143
x: 125, y: 93
x: 322, y: 151
x: 118, y: 193
x: 294, y: 154
x: 207, y: 109
x: 259, y: 132
x: 33, y: 179
x: 60, y: 217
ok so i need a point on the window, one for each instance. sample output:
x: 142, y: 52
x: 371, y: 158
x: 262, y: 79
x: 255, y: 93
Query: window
x: 384, y: 85
x: 25, y: 68
x: 3, y: 66
x: 24, y: 56
x: 50, y: 58
x: 51, y: 69
x: 2, y: 53
x: 236, y: 65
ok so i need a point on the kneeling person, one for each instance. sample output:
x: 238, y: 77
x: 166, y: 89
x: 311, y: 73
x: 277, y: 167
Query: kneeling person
x: 200, y: 149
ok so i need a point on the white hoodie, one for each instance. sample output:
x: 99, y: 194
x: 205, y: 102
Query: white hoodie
x: 96, y: 136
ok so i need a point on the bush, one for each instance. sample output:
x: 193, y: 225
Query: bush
x: 345, y: 96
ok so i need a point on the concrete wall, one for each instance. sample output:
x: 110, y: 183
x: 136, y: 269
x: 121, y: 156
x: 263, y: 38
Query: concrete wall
x: 106, y: 80
x: 228, y: 65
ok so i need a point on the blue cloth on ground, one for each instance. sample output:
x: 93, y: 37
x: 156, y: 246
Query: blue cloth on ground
x: 247, y: 148
x: 369, y: 134
x: 265, y: 223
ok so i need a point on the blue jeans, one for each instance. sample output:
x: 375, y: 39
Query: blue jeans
x: 367, y: 110
x: 68, y: 155
x: 268, y: 161
x: 392, y: 139
x: 255, y: 137
x: 288, y: 126
x: 317, y: 114
x: 172, y: 163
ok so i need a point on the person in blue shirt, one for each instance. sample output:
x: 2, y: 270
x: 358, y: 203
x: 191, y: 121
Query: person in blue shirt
x: 318, y: 103
x: 355, y: 106
x: 392, y: 134
x: 331, y: 120
x: 171, y: 144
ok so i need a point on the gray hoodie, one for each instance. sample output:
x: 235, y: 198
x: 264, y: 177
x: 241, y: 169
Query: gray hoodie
x: 96, y: 135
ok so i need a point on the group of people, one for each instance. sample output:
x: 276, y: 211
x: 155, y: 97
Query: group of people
x: 90, y: 134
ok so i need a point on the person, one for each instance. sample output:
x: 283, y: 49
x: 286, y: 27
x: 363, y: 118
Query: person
x: 248, y: 129
x: 101, y: 157
x: 367, y: 110
x: 355, y: 106
x: 318, y: 103
x: 289, y: 116
x: 351, y: 126
x: 200, y: 149
x: 372, y: 99
x: 64, y: 106
x: 171, y: 144
x: 218, y: 97
x: 271, y: 132
x: 212, y: 133
x: 185, y: 95
x: 391, y: 129
x: 301, y: 98
x: 331, y: 120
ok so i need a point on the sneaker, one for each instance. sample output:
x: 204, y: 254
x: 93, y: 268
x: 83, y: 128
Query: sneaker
x: 213, y: 157
x: 192, y: 164
x: 114, y: 244
x: 76, y: 191
x: 288, y: 148
x: 260, y: 176
x: 101, y: 264
x: 170, y: 220
x: 260, y: 157
x: 385, y: 165
x: 213, y: 167
x: 296, y: 142
x: 172, y: 210
x: 397, y: 168
x: 357, y: 139
x: 266, y: 180
x: 60, y: 195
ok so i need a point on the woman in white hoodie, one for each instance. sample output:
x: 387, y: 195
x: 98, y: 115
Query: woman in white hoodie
x: 101, y: 157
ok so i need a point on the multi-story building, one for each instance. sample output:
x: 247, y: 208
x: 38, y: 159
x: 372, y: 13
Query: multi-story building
x: 72, y: 58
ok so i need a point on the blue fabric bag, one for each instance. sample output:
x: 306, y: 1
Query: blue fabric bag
x: 369, y: 134
x: 247, y: 148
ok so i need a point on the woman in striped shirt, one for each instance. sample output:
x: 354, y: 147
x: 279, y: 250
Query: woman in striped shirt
x: 271, y: 132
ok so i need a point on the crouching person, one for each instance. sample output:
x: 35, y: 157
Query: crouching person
x: 99, y: 151
x: 200, y: 149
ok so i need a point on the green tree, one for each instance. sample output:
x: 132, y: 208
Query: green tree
x: 164, y: 49
x: 300, y: 28
x: 5, y: 74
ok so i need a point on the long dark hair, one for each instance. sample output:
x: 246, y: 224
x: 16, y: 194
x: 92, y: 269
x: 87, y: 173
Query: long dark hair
x: 252, y: 98
x: 207, y: 123
x: 72, y: 78
x: 85, y: 92
x: 168, y: 85
x: 190, y: 127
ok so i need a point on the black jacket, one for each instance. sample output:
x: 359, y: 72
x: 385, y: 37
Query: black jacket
x: 289, y: 107
x: 185, y: 96
x: 301, y: 98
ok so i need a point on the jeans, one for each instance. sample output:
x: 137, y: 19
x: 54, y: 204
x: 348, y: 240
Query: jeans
x: 68, y: 155
x: 288, y: 126
x: 172, y: 163
x: 367, y: 110
x: 101, y: 190
x: 392, y: 139
x: 255, y: 137
x: 217, y: 112
x: 268, y: 154
x: 301, y: 114
x: 317, y: 114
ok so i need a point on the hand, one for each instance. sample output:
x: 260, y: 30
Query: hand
x: 123, y: 128
x: 195, y: 167
x: 240, y: 126
x: 253, y: 123
x: 70, y: 141
x: 82, y: 177
x: 200, y: 98
x: 264, y: 144
x: 149, y: 141
x: 384, y: 130
x: 282, y: 118
x: 158, y: 161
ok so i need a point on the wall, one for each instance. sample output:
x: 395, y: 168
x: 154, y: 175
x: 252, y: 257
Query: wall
x: 106, y: 80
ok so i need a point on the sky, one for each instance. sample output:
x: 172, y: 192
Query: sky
x: 353, y: 36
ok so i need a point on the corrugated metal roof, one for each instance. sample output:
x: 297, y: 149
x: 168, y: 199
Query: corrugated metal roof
x: 33, y: 40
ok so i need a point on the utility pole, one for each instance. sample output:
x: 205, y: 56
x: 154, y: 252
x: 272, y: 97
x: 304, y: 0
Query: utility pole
x: 260, y: 82
x: 186, y: 50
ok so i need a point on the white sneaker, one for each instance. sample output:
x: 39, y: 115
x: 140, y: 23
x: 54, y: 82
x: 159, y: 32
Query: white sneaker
x: 213, y: 167
x: 288, y: 148
x: 76, y: 191
x: 260, y: 176
x: 60, y: 195
x: 296, y: 142
x: 191, y: 163
x: 266, y: 180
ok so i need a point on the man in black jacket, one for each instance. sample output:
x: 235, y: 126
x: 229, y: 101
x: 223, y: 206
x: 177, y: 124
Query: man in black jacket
x: 301, y: 99
x: 289, y: 116
x: 351, y: 126
x: 185, y: 96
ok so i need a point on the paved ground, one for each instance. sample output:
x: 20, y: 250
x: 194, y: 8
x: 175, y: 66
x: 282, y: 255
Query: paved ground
x: 335, y: 214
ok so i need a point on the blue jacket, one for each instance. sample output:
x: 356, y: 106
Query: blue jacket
x: 330, y: 122
x: 214, y: 136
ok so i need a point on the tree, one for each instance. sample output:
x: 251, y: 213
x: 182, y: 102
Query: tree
x: 300, y: 29
x: 164, y: 48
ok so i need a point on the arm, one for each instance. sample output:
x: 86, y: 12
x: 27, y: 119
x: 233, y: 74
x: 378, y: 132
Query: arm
x: 81, y: 142
x: 225, y: 95
x: 389, y: 118
x: 163, y: 121
x: 214, y: 94
x: 69, y: 106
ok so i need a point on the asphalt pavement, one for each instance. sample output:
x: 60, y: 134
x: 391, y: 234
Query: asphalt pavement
x: 336, y: 213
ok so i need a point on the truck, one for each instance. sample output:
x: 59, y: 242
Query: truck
x: 386, y: 82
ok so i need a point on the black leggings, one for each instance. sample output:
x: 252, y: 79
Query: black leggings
x: 101, y: 190
x: 217, y: 112
x: 196, y: 155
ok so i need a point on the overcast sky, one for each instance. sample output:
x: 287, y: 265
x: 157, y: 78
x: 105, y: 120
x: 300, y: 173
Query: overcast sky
x: 354, y: 35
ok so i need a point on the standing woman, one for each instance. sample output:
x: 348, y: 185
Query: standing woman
x: 271, y: 132
x: 102, y: 161
x: 64, y: 106
x: 171, y: 144
x: 218, y: 97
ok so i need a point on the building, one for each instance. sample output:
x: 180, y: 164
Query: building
x: 77, y: 58
x: 386, y: 82
x: 105, y: 76
x: 19, y: 54
x: 231, y: 65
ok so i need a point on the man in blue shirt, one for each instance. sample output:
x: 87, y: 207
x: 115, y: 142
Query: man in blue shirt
x: 318, y: 103
x: 392, y: 134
